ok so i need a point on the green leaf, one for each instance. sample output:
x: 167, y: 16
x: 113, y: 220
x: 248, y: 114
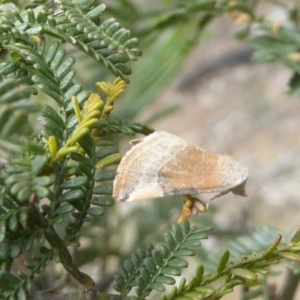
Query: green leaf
x: 21, y: 295
x: 294, y: 85
x: 96, y: 12
x: 40, y: 238
x: 186, y: 227
x: 148, y: 263
x: 223, y: 261
x: 57, y: 58
x: 17, y: 122
x: 41, y: 192
x: 171, y: 271
x: 145, y: 275
x: 2, y: 230
x: 16, y: 248
x: 105, y: 175
x: 13, y: 222
x: 123, y: 273
x: 10, y: 83
x: 16, y: 188
x: 51, y: 51
x: 194, y: 295
x: 64, y: 209
x: 51, y: 93
x: 42, y: 17
x: 272, y: 44
x: 135, y: 259
x: 103, y: 189
x: 189, y: 244
x: 73, y: 91
x: 170, y: 240
x: 13, y: 94
x: 164, y: 250
x: 34, y: 30
x: 104, y: 143
x: 177, y: 263
x: 51, y: 127
x: 47, y: 209
x: 65, y: 66
x: 95, y: 211
x: 3, y: 251
x: 195, y: 237
x: 28, y: 243
x: 26, y: 105
x: 200, y: 231
x: 124, y: 68
x: 44, y: 250
x: 49, y: 112
x: 131, y: 43
x: 84, y: 4
x: 78, y: 204
x: 103, y: 201
x: 9, y: 204
x: 244, y: 273
x: 66, y: 80
x: 157, y: 258
x: 106, y: 151
x: 260, y: 57
x: 128, y: 266
x: 109, y: 160
x: 199, y: 273
x: 8, y: 282
x: 80, y: 158
x: 43, y: 181
x: 119, y: 278
x: 205, y: 289
x: 177, y: 232
x: 71, y: 195
x: 58, y: 218
x: 157, y: 286
x: 165, y: 280
x: 74, y: 182
x: 184, y: 252
x: 118, y: 58
x: 117, y: 287
x: 86, y: 143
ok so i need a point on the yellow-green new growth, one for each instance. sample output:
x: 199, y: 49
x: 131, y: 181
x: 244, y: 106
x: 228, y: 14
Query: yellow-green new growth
x: 87, y: 118
x: 112, y: 90
x: 93, y: 110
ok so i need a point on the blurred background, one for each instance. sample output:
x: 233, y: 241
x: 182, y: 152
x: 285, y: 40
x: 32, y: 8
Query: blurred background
x: 202, y: 86
x: 199, y: 82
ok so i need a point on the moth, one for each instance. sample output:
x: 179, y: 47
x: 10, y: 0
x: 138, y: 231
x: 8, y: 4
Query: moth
x: 163, y: 164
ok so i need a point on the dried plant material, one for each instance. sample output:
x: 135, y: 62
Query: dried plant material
x: 163, y: 164
x: 191, y: 207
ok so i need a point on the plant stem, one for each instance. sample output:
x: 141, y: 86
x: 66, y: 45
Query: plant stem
x: 57, y: 244
x: 290, y: 285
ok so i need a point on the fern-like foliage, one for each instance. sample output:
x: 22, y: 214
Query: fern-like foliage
x: 280, y: 43
x: 77, y: 24
x: 116, y: 125
x: 248, y: 260
x: 15, y: 107
x: 152, y: 269
x: 65, y: 164
x: 54, y: 182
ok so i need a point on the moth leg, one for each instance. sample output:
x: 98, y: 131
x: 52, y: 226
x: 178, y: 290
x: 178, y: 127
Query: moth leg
x: 135, y: 141
x: 191, y: 207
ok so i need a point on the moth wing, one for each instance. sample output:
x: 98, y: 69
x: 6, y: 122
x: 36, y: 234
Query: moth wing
x: 163, y: 164
x: 204, y: 172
